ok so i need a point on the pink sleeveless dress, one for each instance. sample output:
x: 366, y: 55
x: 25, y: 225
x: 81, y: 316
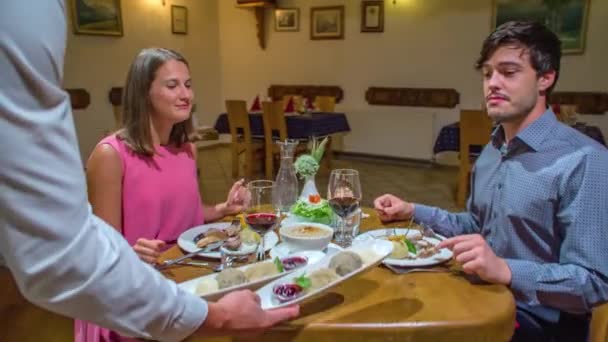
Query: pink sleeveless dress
x: 160, y: 200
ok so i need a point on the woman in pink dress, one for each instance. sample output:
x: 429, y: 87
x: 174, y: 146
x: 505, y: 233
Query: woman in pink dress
x: 143, y: 180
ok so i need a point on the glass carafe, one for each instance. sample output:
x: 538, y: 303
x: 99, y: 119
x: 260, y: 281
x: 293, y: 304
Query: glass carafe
x: 285, y: 191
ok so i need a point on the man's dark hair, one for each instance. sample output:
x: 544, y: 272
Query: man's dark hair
x: 543, y: 46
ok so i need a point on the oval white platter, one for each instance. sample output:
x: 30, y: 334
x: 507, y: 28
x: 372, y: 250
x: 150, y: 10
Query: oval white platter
x: 372, y: 254
x: 190, y: 285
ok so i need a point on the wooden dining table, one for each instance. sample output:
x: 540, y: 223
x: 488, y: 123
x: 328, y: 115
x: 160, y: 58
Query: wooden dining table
x: 379, y: 305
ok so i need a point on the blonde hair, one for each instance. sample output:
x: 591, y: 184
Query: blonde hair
x: 137, y: 106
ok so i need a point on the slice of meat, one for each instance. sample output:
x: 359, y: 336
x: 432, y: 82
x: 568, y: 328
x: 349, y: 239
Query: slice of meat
x: 233, y: 243
x: 232, y: 231
x: 207, y: 240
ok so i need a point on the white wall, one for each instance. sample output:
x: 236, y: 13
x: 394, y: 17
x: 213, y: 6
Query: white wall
x: 426, y: 43
x: 98, y: 63
x: 430, y: 43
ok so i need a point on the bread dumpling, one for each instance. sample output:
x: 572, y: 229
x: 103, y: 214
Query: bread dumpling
x: 322, y: 277
x: 261, y: 270
x: 206, y: 285
x: 400, y: 250
x: 230, y: 277
x: 345, y: 262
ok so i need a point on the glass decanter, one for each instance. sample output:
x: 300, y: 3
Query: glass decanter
x: 285, y: 191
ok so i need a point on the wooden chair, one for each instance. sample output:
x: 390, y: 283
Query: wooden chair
x: 274, y: 121
x: 598, y: 331
x: 242, y: 141
x: 475, y: 129
x: 325, y: 103
x: 297, y: 101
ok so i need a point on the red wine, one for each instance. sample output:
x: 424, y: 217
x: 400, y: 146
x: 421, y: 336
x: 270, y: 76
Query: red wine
x: 344, y: 206
x: 261, y: 222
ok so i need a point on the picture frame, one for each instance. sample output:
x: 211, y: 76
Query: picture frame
x: 568, y: 19
x: 179, y: 19
x: 97, y: 17
x: 327, y: 22
x: 287, y: 19
x: 372, y: 16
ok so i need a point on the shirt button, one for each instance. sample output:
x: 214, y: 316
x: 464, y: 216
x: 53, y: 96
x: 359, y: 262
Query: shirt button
x: 499, y: 186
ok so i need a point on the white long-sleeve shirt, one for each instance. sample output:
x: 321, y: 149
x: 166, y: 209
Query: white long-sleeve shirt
x: 63, y: 257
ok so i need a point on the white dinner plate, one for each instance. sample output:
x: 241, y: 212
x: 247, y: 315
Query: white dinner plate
x: 190, y: 285
x: 186, y: 239
x: 443, y: 255
x: 372, y: 254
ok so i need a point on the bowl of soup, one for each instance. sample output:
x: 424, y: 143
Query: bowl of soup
x: 306, y: 236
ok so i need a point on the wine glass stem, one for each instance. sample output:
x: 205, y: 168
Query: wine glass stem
x: 262, y: 247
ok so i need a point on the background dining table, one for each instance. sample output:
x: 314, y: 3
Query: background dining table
x: 381, y: 305
x: 299, y: 126
x: 449, y: 137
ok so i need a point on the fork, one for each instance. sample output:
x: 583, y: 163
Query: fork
x: 428, y: 232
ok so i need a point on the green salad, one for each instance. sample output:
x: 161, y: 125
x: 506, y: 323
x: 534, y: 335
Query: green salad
x: 314, y: 212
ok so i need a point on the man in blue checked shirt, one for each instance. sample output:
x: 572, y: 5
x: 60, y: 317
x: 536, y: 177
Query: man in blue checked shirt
x: 537, y: 217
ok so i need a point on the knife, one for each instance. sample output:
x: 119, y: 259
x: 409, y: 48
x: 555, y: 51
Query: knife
x: 208, y: 248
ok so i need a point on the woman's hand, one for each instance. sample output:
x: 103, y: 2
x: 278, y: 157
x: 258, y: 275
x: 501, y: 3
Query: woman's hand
x: 237, y: 201
x: 149, y: 250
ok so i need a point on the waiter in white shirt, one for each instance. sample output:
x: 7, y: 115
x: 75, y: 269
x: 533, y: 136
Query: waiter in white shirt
x: 62, y: 257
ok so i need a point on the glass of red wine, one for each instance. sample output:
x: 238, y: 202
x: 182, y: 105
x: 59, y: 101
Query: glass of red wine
x: 344, y: 196
x: 261, y: 214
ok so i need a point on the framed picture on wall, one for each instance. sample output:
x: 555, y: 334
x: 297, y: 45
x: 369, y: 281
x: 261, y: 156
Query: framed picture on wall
x: 98, y: 17
x: 179, y: 19
x: 568, y: 19
x: 327, y: 22
x: 372, y: 16
x: 287, y: 19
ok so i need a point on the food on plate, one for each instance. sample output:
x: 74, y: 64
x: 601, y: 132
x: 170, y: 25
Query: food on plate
x: 411, y: 247
x: 400, y: 250
x: 261, y: 270
x: 291, y: 263
x: 207, y: 285
x: 305, y: 231
x: 345, y: 262
x: 230, y: 277
x: 249, y: 236
x: 339, y: 266
x: 232, y: 243
x: 317, y: 211
x: 233, y: 237
x: 322, y: 277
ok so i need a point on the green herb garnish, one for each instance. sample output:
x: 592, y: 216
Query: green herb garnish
x: 279, y: 265
x: 410, y: 245
x: 303, y: 281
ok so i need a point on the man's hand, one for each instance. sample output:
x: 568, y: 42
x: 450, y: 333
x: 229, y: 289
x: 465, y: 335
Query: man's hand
x: 392, y: 208
x: 149, y: 250
x: 239, y: 313
x: 476, y: 257
x: 237, y: 201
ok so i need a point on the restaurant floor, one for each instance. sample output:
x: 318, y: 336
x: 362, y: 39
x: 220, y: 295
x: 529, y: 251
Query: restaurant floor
x: 417, y: 182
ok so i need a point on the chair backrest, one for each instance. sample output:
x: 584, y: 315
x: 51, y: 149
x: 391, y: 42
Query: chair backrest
x: 297, y: 101
x: 238, y: 120
x: 598, y: 331
x: 274, y: 120
x: 325, y: 103
x: 475, y: 129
